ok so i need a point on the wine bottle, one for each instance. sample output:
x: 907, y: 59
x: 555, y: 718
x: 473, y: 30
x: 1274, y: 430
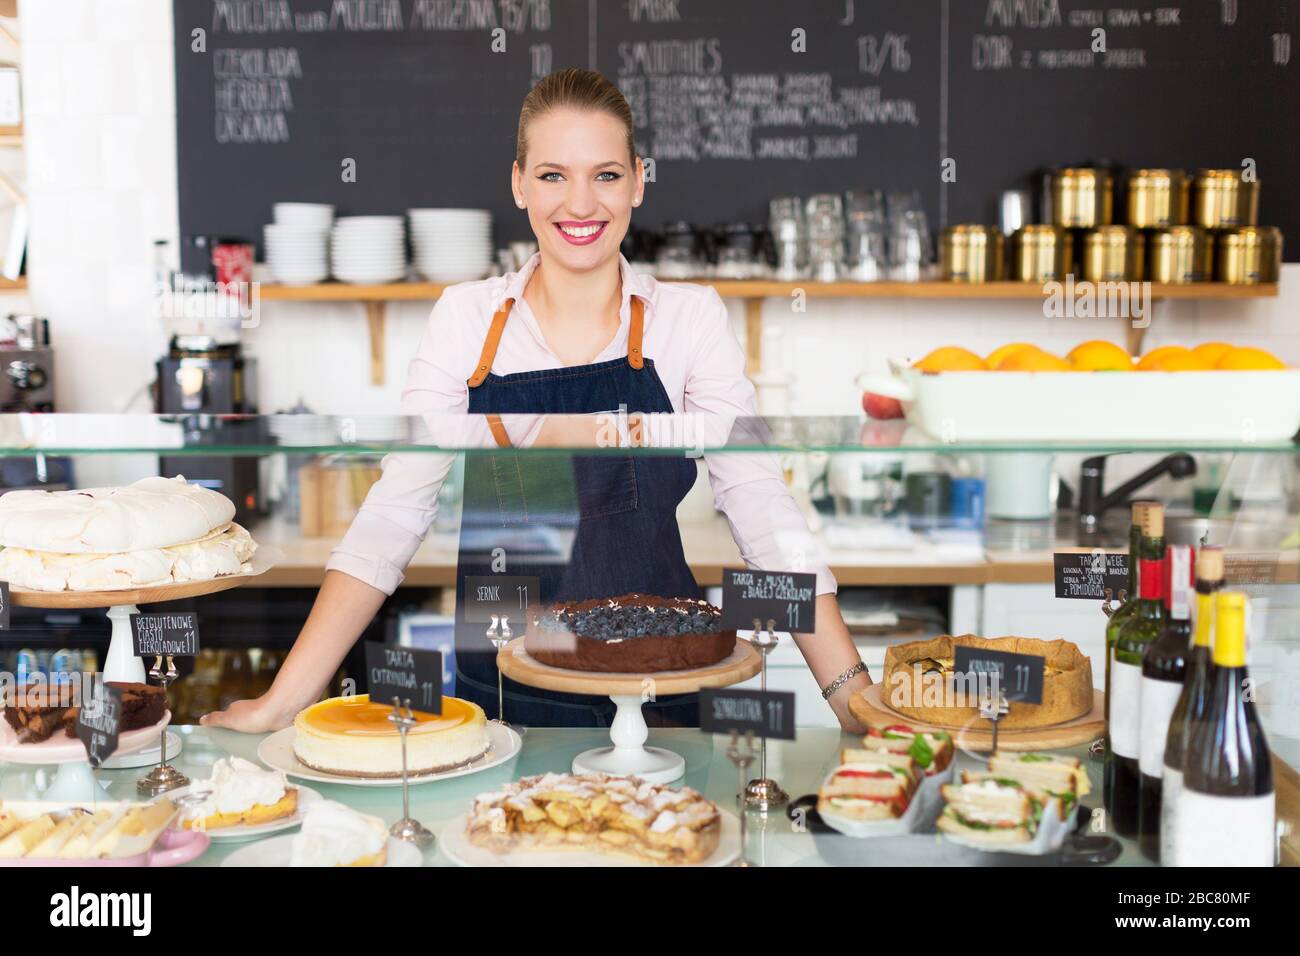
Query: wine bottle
x: 1226, y: 811
x: 1192, y: 701
x: 1164, y: 664
x: 1121, y: 614
x: 1126, y: 672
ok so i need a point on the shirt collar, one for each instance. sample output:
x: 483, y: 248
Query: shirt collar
x: 633, y: 283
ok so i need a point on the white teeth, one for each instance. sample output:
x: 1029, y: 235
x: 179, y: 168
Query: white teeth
x: 580, y: 232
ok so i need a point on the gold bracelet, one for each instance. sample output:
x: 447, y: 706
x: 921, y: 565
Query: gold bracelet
x: 843, y: 679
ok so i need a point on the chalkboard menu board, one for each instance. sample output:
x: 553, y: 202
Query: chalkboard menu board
x: 736, y: 101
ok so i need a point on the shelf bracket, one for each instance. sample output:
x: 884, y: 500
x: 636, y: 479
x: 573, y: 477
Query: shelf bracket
x: 753, y: 336
x: 375, y: 321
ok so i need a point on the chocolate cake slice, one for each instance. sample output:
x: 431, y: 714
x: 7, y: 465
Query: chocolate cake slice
x: 37, y: 711
x: 631, y: 634
x: 142, y: 704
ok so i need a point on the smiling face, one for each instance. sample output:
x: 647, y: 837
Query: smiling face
x: 579, y: 186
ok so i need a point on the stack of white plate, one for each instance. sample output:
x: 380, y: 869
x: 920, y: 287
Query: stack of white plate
x: 296, y: 244
x: 452, y: 245
x: 369, y: 249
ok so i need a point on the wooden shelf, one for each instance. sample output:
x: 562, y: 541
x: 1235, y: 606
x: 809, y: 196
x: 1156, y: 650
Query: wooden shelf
x: 13, y: 285
x: 754, y: 291
x: 766, y: 288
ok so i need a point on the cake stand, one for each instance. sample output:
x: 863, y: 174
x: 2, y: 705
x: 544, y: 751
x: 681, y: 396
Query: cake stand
x: 629, y: 756
x: 121, y: 663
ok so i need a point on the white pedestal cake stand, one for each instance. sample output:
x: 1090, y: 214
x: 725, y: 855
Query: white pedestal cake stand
x: 629, y: 756
x: 121, y: 663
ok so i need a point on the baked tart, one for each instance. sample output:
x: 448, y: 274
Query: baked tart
x: 919, y: 682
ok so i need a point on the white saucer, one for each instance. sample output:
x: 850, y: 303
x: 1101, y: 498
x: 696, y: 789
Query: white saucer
x: 63, y: 749
x: 277, y: 851
x: 276, y: 751
x: 242, y: 832
x: 454, y: 841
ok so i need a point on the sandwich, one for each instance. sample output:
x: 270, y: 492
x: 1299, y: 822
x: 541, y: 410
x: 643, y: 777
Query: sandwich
x: 932, y: 750
x: 882, y: 758
x: 990, y: 811
x: 875, y: 787
x: 1044, y: 776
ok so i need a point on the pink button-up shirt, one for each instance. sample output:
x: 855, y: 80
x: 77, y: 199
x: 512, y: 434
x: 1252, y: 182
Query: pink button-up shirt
x: 688, y: 335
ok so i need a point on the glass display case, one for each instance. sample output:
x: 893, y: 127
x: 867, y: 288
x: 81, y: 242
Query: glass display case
x: 921, y: 538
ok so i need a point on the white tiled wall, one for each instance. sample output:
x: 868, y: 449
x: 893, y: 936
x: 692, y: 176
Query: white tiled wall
x: 100, y: 119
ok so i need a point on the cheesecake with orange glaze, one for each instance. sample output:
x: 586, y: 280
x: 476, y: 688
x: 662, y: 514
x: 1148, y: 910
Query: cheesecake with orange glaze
x: 353, y: 737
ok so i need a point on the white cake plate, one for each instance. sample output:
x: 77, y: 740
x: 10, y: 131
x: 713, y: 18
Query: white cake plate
x: 629, y: 756
x: 75, y: 779
x: 121, y: 664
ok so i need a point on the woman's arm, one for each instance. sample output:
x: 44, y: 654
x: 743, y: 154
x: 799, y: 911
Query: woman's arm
x: 368, y: 564
x: 829, y: 652
x: 750, y: 489
x: 341, y: 612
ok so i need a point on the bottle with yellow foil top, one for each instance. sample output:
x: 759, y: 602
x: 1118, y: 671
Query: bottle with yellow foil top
x: 1226, y: 812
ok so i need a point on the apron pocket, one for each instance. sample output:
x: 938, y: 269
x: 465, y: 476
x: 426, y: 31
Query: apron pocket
x: 606, y: 484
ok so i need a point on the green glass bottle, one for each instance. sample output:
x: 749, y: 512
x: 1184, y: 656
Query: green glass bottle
x: 1141, y: 629
x: 1117, y: 620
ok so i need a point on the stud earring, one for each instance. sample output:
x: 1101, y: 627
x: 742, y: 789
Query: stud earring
x: 519, y: 204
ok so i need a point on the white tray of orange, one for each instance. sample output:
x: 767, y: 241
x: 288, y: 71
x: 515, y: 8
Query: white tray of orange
x: 1213, y: 392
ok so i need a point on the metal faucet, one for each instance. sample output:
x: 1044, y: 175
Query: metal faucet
x: 1094, y: 503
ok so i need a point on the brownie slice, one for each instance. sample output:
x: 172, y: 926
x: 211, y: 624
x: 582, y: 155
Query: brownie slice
x: 142, y: 705
x: 35, y: 712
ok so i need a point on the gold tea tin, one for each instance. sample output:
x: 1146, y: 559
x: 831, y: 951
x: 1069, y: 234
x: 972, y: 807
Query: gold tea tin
x: 1082, y: 197
x: 971, y: 253
x: 1179, y: 254
x: 1041, y: 253
x: 1222, y: 200
x: 1157, y: 198
x: 1113, y: 254
x: 1249, y: 255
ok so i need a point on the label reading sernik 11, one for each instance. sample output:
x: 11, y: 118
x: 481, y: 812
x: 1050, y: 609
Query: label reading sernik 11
x: 785, y: 597
x: 499, y: 595
x: 406, y: 674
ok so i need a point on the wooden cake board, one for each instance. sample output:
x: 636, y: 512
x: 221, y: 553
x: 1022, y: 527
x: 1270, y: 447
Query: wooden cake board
x: 628, y: 755
x: 869, y: 707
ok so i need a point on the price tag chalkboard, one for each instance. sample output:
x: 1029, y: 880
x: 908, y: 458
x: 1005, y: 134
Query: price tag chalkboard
x: 1019, y: 677
x: 405, y: 673
x: 1086, y: 574
x: 788, y: 598
x: 499, y: 595
x: 768, y: 713
x: 97, y: 724
x: 4, y: 605
x: 175, y: 634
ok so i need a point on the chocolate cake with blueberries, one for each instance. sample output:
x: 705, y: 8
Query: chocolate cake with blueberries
x: 631, y: 634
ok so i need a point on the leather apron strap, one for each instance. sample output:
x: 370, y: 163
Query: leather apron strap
x: 635, y: 358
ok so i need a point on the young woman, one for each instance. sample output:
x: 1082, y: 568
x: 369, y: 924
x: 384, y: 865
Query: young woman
x: 575, y: 331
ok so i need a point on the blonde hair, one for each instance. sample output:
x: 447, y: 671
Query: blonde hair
x: 575, y: 89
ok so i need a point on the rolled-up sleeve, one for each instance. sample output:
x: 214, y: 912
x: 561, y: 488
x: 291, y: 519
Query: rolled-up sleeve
x: 401, y: 506
x: 748, y: 487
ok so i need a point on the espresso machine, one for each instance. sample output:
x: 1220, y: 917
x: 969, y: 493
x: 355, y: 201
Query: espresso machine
x: 208, y: 387
x: 27, y: 385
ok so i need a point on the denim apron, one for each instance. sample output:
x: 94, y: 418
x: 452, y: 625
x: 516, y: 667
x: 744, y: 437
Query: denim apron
x: 619, y: 510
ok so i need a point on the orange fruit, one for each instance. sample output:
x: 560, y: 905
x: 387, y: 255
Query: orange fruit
x: 1100, y: 356
x: 1211, y: 352
x: 1251, y: 359
x: 1033, y: 360
x: 951, y: 358
x: 1182, y: 362
x: 998, y: 354
x: 1152, y: 359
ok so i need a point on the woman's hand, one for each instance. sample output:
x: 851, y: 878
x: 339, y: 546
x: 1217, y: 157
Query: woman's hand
x: 257, y: 716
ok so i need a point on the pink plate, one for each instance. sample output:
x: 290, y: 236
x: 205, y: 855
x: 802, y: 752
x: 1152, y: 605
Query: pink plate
x: 63, y: 749
x: 173, y: 848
